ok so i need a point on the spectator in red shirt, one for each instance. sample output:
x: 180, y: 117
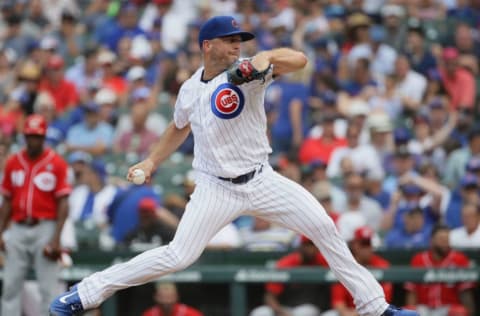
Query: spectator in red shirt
x: 459, y: 82
x: 361, y: 247
x: 321, y: 148
x: 166, y: 300
x: 63, y: 91
x: 441, y: 297
x: 111, y: 80
x: 294, y: 299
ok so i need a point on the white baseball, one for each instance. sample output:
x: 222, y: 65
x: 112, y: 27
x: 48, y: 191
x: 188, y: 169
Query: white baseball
x: 138, y: 176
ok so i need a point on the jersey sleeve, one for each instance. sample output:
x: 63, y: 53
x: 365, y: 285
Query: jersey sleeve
x: 182, y: 107
x: 63, y: 186
x: 6, y: 186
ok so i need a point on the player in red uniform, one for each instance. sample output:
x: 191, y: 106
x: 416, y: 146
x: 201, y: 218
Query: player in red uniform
x: 297, y: 299
x: 166, y: 298
x: 361, y: 247
x: 439, y: 297
x: 35, y: 188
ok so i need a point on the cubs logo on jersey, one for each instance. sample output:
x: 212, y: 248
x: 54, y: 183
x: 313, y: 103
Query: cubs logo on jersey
x: 227, y: 101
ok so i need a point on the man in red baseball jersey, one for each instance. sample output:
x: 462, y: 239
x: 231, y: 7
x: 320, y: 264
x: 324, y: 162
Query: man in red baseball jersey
x: 35, y: 188
x: 294, y: 299
x: 441, y: 298
x: 361, y: 247
x: 167, y: 304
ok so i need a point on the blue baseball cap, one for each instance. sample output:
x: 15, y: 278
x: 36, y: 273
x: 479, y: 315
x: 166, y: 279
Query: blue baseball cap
x: 411, y: 189
x: 377, y: 33
x: 317, y: 163
x: 329, y: 97
x: 141, y: 93
x: 469, y: 180
x: 91, y: 107
x: 412, y: 207
x: 434, y: 74
x: 436, y: 103
x: 98, y: 166
x: 473, y: 164
x: 79, y: 156
x: 401, y: 135
x: 221, y: 26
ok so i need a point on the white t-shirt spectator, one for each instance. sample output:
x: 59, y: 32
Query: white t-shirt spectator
x: 227, y: 237
x: 413, y: 86
x: 459, y: 238
x: 364, y: 158
x: 382, y: 61
x: 369, y: 209
x: 102, y: 200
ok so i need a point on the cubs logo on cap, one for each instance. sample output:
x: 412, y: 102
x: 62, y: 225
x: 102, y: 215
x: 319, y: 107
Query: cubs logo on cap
x: 227, y: 101
x: 35, y: 124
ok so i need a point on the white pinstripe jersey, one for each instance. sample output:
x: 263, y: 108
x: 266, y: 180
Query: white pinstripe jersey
x: 228, y: 123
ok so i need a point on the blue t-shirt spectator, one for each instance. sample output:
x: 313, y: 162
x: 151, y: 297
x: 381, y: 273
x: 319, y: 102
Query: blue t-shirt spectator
x: 429, y: 215
x: 123, y: 211
x: 423, y: 64
x: 382, y: 197
x: 56, y: 132
x: 413, y: 232
x: 399, y: 238
x: 284, y: 94
x: 468, y: 187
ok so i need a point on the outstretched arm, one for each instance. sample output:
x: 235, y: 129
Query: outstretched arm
x: 284, y: 60
x: 170, y: 140
x: 272, y: 301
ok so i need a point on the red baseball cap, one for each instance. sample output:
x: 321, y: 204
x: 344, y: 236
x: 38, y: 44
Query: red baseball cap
x: 147, y: 205
x: 35, y: 124
x: 55, y: 62
x: 363, y: 233
x: 449, y: 53
x: 305, y: 240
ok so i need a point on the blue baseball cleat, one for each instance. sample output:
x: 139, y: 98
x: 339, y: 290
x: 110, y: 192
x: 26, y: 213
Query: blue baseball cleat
x: 395, y: 311
x: 67, y: 304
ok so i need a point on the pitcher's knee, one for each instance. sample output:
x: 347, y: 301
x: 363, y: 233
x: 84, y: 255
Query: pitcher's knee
x: 180, y: 260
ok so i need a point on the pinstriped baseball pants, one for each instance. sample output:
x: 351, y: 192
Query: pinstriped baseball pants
x: 215, y: 203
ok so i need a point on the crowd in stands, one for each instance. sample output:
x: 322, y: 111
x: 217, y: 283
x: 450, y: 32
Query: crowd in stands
x: 380, y: 126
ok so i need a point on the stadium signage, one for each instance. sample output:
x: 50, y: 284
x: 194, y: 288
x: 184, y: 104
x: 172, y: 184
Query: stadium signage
x: 450, y: 276
x: 251, y: 275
